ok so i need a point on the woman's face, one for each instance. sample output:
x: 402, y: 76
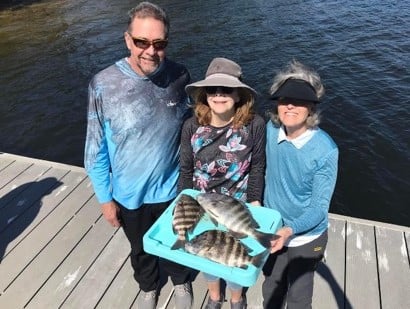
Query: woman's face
x: 293, y: 115
x: 221, y: 100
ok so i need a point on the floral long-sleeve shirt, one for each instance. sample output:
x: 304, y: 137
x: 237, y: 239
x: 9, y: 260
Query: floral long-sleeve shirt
x: 224, y: 160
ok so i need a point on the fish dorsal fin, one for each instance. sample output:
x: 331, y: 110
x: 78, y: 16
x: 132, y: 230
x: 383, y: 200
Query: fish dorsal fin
x: 214, y: 221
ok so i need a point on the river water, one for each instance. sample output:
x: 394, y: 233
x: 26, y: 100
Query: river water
x: 49, y: 50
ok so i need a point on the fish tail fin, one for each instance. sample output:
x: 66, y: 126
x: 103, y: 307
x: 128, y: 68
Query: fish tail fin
x: 180, y: 243
x: 258, y: 259
x: 265, y: 239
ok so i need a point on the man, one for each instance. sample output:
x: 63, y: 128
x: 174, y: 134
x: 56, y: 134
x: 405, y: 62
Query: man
x: 135, y: 113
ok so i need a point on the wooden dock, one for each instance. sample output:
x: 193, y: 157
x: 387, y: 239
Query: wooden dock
x: 57, y: 251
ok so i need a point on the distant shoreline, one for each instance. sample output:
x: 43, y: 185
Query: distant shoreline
x: 14, y: 4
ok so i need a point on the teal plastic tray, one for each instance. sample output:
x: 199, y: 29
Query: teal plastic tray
x: 160, y: 237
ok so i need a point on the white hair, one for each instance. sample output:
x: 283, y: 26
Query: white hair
x: 297, y: 70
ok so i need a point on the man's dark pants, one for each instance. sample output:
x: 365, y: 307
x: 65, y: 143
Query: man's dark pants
x: 146, y: 266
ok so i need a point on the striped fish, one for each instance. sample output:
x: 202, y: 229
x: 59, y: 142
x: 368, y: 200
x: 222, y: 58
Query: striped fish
x: 221, y: 247
x: 186, y: 215
x: 234, y: 215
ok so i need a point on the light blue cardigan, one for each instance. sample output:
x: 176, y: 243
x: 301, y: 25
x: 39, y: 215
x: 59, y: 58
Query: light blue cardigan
x: 300, y: 182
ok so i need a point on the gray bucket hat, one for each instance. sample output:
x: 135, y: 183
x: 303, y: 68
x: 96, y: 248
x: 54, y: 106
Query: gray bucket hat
x: 221, y: 72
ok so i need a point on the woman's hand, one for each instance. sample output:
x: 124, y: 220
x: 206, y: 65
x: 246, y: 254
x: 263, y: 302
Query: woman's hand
x: 284, y: 233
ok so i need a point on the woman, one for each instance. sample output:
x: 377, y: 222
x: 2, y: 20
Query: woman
x: 301, y: 172
x: 223, y: 148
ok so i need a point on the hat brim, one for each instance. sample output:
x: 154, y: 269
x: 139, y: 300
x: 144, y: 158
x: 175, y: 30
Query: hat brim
x: 297, y: 89
x: 218, y: 79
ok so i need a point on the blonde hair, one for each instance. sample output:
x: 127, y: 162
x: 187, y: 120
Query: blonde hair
x: 243, y: 109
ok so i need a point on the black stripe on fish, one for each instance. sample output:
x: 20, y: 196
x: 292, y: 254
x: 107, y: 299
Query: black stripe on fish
x: 221, y: 247
x: 187, y: 213
x: 234, y: 215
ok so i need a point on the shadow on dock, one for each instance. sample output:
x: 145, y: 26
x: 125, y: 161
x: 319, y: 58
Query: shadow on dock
x: 338, y: 292
x: 18, y: 209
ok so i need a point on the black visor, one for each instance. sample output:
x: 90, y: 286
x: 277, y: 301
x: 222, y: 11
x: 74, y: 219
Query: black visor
x: 297, y: 89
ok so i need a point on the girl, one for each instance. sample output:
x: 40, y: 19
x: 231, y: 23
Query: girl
x: 223, y: 148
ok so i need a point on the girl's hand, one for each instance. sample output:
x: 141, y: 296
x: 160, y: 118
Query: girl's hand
x: 255, y: 203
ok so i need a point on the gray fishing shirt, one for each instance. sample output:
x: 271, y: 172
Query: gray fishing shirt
x: 133, y: 133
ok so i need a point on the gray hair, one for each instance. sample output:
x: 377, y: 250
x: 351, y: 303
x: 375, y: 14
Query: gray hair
x: 297, y: 70
x: 147, y: 9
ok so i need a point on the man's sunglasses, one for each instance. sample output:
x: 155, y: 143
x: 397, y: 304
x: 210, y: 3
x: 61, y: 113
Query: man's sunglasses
x: 159, y: 44
x: 214, y: 89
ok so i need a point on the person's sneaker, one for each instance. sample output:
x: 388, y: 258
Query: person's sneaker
x: 147, y: 300
x: 183, y: 296
x: 239, y: 305
x: 212, y: 304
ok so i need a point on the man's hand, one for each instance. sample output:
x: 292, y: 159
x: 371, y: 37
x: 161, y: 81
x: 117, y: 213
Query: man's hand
x: 284, y: 233
x: 110, y: 211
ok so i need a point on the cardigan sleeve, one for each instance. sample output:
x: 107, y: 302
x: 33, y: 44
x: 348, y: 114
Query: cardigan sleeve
x: 324, y: 182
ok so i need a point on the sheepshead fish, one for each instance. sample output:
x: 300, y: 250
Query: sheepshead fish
x: 234, y: 215
x: 186, y: 215
x: 221, y: 247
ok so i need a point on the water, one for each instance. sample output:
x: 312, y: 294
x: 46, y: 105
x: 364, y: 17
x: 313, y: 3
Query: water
x: 49, y: 51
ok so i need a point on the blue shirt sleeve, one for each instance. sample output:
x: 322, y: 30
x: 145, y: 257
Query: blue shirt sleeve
x: 324, y: 181
x: 96, y: 157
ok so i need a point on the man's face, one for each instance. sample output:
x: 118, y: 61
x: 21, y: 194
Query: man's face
x: 146, y: 60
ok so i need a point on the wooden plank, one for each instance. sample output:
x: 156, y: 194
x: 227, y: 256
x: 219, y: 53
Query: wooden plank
x: 394, y: 271
x: 11, y: 171
x: 328, y: 289
x: 4, y: 162
x: 28, y: 282
x: 21, y: 227
x: 35, y: 242
x: 11, y: 181
x: 165, y: 299
x: 123, y: 290
x: 125, y: 285
x: 22, y: 159
x: 99, y: 276
x: 200, y: 290
x: 407, y: 235
x: 254, y: 295
x: 32, y: 193
x: 69, y: 273
x: 362, y: 286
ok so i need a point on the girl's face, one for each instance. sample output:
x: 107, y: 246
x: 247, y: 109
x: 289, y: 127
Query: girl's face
x: 221, y: 100
x: 293, y: 115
